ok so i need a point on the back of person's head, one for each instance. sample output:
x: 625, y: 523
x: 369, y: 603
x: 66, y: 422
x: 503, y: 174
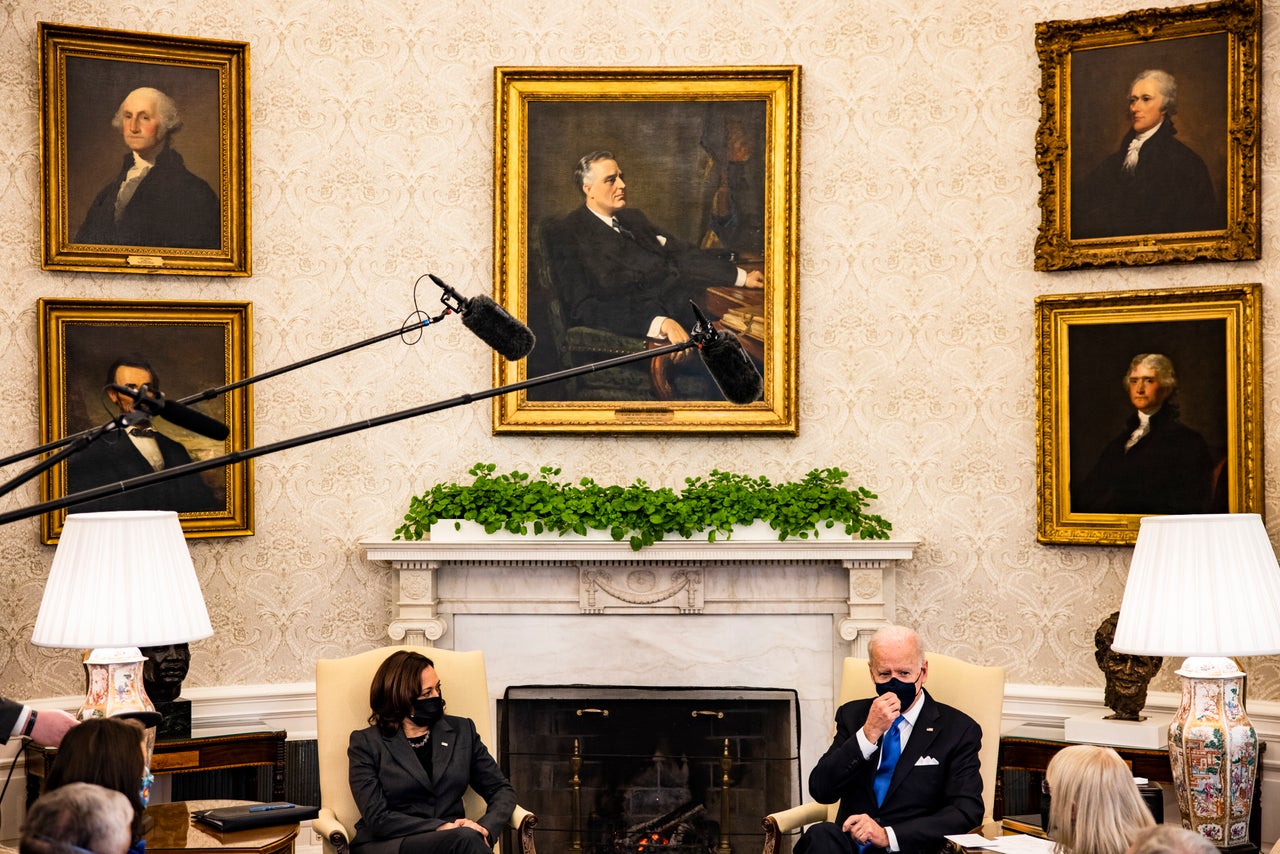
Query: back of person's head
x: 106, y: 752
x: 1171, y: 839
x: 78, y: 818
x: 1095, y: 806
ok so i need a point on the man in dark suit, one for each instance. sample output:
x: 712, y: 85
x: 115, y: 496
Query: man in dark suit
x: 932, y: 789
x: 45, y: 727
x: 1152, y: 184
x: 112, y: 457
x: 154, y: 200
x: 618, y: 271
x: 1156, y: 464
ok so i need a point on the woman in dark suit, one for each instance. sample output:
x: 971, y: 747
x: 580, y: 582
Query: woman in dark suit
x: 410, y: 767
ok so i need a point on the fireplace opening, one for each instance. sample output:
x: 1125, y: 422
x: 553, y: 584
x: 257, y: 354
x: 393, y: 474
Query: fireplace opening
x: 626, y: 770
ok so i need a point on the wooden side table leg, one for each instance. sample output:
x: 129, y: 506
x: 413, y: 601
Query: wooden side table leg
x: 277, y: 781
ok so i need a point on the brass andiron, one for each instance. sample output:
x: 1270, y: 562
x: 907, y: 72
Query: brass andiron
x: 726, y: 764
x: 575, y: 762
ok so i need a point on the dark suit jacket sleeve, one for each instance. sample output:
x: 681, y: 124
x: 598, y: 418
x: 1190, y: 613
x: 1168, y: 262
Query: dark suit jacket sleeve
x: 488, y: 781
x: 843, y: 765
x: 365, y: 757
x: 9, y: 712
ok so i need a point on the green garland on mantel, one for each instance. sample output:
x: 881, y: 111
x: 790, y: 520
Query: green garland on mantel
x: 519, y: 503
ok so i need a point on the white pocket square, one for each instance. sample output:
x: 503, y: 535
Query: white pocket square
x: 926, y: 760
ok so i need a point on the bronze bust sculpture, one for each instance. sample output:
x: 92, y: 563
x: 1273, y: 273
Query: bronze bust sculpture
x: 1127, y: 675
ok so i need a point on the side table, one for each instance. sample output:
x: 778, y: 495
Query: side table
x: 208, y: 753
x: 172, y: 830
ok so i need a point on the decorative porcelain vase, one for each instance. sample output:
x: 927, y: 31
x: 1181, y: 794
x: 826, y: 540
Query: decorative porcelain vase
x: 1213, y: 750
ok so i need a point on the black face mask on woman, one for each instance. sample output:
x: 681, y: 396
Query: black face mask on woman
x: 906, y: 691
x: 427, y: 710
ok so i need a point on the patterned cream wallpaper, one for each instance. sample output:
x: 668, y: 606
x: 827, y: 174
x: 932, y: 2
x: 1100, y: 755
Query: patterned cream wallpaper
x: 372, y: 157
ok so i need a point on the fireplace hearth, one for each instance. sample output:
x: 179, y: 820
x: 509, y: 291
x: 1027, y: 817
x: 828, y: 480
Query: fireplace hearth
x: 627, y: 769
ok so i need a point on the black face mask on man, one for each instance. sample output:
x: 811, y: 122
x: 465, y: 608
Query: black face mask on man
x: 427, y: 710
x: 905, y: 691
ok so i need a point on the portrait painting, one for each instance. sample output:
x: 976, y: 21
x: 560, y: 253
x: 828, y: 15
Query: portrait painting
x: 628, y: 201
x: 97, y: 357
x: 1149, y: 405
x: 1148, y: 144
x: 145, y: 152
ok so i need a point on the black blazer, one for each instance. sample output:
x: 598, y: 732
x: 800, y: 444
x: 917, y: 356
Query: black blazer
x: 112, y: 458
x: 396, y: 798
x: 608, y: 281
x: 9, y: 712
x: 171, y: 207
x: 936, y: 787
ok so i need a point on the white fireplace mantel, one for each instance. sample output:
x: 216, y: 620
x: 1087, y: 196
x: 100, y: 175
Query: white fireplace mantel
x: 434, y: 582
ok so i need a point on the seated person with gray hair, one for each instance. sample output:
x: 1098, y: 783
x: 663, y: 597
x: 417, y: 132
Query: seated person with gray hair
x: 78, y: 818
x: 1170, y: 839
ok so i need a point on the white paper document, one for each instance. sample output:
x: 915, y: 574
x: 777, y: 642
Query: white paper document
x: 1018, y: 843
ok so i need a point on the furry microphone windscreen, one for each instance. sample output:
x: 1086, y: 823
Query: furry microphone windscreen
x: 736, y: 375
x: 495, y: 326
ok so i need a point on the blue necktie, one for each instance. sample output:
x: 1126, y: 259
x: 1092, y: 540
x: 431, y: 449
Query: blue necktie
x: 890, y: 750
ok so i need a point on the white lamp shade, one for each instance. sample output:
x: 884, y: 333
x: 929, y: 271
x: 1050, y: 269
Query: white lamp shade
x: 1203, y: 585
x: 121, y: 579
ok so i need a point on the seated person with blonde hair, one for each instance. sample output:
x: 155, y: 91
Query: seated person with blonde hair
x: 1095, y: 806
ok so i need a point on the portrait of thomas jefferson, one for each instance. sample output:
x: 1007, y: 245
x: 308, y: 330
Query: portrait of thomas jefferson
x: 1156, y: 463
x: 1148, y: 417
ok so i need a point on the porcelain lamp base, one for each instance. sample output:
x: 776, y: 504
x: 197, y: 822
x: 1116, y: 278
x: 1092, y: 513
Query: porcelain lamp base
x: 1213, y: 751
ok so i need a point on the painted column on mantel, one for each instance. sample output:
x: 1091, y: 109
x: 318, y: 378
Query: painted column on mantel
x: 413, y: 589
x: 871, y: 602
x: 418, y: 617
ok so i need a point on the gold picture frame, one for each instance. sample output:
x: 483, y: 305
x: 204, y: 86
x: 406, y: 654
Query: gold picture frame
x: 711, y: 154
x: 191, y: 348
x: 1203, y: 456
x: 1193, y: 197
x: 189, y: 215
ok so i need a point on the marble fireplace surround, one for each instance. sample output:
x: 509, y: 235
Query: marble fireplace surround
x: 552, y: 610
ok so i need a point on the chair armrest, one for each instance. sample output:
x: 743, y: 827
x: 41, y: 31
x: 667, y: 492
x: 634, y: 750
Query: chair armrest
x: 797, y: 817
x: 588, y: 339
x: 524, y: 822
x: 331, y: 830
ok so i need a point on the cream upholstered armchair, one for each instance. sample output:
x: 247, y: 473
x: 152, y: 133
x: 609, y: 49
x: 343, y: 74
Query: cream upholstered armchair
x: 973, y: 689
x: 342, y: 705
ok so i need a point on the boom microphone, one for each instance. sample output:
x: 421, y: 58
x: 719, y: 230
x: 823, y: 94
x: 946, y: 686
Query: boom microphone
x: 490, y: 322
x: 735, y: 374
x: 152, y: 402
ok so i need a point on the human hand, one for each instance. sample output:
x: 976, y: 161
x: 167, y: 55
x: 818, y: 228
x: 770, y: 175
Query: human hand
x: 755, y: 279
x: 675, y: 334
x: 864, y: 830
x: 883, y: 712
x: 51, y: 726
x: 465, y: 823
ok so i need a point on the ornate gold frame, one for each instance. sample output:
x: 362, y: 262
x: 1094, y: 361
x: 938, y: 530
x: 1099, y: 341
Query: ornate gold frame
x: 1230, y: 31
x: 1187, y: 324
x: 193, y: 346
x: 84, y: 74
x: 690, y: 90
